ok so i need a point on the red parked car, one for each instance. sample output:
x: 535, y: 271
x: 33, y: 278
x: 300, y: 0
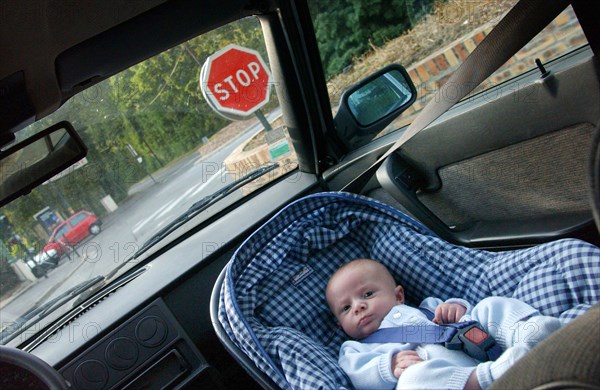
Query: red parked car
x: 71, y: 232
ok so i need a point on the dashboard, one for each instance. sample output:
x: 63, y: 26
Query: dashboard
x: 155, y: 330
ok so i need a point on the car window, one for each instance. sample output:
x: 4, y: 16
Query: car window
x: 77, y: 219
x: 61, y: 231
x: 156, y: 147
x: 429, y: 38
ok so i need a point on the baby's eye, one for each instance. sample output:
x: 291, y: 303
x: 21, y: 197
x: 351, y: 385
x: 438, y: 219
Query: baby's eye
x: 345, y: 308
x: 368, y: 294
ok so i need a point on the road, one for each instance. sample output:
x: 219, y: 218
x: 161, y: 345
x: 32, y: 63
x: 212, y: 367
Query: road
x: 136, y: 219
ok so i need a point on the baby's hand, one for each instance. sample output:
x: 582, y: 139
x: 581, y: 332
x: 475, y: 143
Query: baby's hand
x: 448, y: 313
x: 403, y: 360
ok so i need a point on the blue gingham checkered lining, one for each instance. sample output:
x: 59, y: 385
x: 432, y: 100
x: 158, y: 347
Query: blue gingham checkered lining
x: 272, y: 302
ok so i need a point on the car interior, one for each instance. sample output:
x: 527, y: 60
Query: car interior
x: 505, y: 170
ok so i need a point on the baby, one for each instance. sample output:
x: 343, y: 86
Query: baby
x: 364, y: 297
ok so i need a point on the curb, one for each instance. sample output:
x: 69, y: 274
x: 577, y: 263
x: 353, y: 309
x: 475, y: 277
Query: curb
x: 60, y: 283
x: 20, y: 290
x: 45, y: 295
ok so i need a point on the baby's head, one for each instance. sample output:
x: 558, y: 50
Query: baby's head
x: 360, y: 294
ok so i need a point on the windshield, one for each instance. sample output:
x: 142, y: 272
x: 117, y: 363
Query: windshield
x: 156, y: 148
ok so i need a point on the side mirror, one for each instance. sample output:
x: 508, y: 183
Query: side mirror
x: 369, y: 106
x: 33, y: 161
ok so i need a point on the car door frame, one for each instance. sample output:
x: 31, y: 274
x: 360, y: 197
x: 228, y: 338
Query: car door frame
x: 345, y: 165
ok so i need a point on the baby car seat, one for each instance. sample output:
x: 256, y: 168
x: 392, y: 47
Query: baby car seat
x: 269, y: 307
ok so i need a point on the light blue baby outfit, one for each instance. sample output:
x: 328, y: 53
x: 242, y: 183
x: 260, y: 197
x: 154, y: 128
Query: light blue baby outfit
x: 515, y: 325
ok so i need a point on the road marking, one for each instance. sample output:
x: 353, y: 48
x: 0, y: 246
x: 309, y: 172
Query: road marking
x: 203, y: 185
x: 185, y: 194
x: 171, y: 205
x: 194, y: 190
x: 143, y: 222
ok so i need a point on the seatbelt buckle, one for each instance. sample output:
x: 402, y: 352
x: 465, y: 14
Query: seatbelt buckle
x: 475, y: 342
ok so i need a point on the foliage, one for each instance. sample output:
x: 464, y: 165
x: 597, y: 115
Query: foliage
x: 346, y: 29
x: 156, y: 106
x: 8, y: 278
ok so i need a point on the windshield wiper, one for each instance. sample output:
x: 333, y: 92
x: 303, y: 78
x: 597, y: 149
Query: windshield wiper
x: 203, y: 204
x: 35, y: 314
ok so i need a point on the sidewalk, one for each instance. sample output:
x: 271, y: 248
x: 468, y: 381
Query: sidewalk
x: 9, y: 296
x: 25, y: 286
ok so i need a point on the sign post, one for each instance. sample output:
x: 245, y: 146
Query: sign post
x: 139, y: 159
x: 236, y: 83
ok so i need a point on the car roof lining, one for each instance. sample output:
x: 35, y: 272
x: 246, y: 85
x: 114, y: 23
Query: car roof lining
x: 126, y: 44
x: 38, y: 31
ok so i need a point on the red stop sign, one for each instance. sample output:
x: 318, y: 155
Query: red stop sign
x: 235, y: 81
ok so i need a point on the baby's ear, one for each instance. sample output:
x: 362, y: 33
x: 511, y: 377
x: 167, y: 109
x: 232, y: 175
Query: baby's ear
x: 399, y: 293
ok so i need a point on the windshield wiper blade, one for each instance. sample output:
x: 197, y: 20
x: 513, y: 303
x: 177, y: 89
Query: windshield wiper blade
x: 35, y: 314
x: 203, y: 204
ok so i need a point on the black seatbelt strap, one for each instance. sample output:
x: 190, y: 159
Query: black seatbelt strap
x: 523, y: 22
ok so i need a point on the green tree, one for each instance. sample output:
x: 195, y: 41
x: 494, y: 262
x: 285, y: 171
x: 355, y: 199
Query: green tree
x: 346, y: 29
x: 156, y: 106
x: 8, y: 278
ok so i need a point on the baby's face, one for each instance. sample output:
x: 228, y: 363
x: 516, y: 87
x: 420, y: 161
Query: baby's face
x: 360, y: 297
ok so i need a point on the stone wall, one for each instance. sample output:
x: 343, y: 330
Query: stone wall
x: 248, y: 157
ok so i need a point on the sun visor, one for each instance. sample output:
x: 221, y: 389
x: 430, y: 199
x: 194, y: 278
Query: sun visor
x: 126, y: 44
x: 16, y: 110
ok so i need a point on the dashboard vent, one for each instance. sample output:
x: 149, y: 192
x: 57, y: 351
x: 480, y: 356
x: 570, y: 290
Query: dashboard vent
x: 63, y: 323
